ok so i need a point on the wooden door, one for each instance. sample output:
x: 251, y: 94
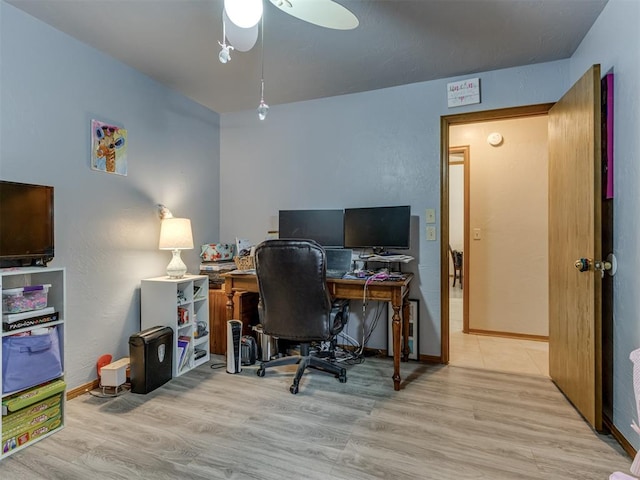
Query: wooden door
x: 575, y: 317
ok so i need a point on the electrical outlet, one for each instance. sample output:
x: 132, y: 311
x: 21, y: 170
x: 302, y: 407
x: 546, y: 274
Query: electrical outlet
x: 431, y: 233
x: 430, y: 217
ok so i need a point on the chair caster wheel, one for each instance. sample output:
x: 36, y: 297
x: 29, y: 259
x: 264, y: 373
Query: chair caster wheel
x: 293, y: 389
x: 260, y: 372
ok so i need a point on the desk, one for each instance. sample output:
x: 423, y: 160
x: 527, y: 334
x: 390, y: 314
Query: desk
x: 396, y: 292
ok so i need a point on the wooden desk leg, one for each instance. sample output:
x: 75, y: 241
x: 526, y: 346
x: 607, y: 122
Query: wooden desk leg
x: 396, y: 346
x: 229, y: 304
x: 405, y: 329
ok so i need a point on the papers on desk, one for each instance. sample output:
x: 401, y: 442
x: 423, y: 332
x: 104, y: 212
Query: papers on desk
x: 217, y: 266
x: 388, y: 258
x: 244, y: 272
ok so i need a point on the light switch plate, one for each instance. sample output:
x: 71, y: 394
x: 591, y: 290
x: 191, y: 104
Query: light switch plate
x: 477, y: 235
x: 431, y: 233
x: 431, y: 215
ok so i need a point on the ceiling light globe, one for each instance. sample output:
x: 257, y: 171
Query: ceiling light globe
x: 243, y: 13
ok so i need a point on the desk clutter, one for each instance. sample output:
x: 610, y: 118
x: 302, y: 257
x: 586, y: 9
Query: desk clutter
x: 377, y: 276
x: 221, y: 258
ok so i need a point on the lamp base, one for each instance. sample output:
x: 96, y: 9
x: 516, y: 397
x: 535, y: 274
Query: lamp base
x: 176, y: 267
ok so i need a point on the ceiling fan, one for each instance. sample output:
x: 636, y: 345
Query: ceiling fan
x: 241, y: 18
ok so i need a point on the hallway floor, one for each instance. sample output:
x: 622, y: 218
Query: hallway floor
x: 493, y: 353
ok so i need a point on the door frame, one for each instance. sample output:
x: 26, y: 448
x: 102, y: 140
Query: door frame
x: 447, y: 121
x: 464, y: 151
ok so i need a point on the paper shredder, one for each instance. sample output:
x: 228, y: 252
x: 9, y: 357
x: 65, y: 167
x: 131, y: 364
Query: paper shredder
x: 150, y: 358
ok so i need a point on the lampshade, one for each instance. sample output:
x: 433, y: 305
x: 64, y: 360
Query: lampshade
x: 175, y: 233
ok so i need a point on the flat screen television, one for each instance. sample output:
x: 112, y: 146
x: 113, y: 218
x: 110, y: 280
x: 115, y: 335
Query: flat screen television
x: 323, y: 226
x: 26, y: 224
x: 378, y: 228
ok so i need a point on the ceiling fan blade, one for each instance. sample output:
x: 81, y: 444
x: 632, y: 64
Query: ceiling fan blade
x: 324, y: 13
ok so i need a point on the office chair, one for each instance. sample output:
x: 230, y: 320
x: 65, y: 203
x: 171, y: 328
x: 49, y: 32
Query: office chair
x: 456, y: 258
x: 295, y: 304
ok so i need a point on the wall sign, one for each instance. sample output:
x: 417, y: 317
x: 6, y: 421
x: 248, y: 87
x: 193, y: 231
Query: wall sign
x: 464, y: 92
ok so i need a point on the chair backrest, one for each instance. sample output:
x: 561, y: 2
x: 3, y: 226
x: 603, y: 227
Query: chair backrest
x: 456, y: 257
x: 294, y: 300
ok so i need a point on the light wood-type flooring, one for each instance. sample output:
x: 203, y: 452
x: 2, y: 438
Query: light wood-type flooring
x: 514, y: 355
x: 446, y: 423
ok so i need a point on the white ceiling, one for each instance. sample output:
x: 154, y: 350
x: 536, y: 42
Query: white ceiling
x: 397, y: 42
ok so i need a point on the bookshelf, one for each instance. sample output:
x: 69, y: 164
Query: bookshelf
x: 33, y: 395
x: 183, y: 305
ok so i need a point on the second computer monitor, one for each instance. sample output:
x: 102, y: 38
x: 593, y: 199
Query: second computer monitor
x: 379, y: 228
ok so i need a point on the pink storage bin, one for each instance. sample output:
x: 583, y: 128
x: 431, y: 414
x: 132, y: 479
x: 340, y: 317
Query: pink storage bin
x: 23, y: 299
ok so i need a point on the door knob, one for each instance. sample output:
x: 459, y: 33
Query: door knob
x: 609, y: 265
x: 583, y: 264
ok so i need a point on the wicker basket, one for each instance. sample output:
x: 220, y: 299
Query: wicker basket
x: 244, y: 263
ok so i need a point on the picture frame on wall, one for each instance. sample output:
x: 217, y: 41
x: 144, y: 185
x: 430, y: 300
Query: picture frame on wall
x: 108, y: 148
x: 414, y: 353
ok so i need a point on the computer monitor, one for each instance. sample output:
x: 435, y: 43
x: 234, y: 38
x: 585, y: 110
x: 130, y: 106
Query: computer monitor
x: 323, y: 226
x: 379, y: 228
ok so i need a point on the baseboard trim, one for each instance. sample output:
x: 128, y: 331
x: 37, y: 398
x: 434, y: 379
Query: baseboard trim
x: 615, y: 433
x: 82, y: 389
x: 520, y: 336
x: 87, y: 387
x: 430, y: 359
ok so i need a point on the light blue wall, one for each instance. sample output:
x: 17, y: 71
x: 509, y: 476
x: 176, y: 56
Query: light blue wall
x: 367, y: 149
x: 106, y: 225
x: 614, y: 42
x: 375, y: 148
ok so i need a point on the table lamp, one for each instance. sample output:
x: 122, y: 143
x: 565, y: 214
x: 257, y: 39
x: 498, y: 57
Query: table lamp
x: 175, y: 235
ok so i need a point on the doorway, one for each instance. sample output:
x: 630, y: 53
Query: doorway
x: 496, y: 272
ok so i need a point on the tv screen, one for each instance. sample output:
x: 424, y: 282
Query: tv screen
x: 380, y: 228
x: 323, y: 226
x: 26, y: 224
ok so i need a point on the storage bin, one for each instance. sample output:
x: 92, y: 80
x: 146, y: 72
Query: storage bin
x: 30, y: 360
x: 23, y: 299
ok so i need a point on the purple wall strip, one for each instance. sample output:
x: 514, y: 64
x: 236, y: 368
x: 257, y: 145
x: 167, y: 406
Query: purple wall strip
x: 609, y: 129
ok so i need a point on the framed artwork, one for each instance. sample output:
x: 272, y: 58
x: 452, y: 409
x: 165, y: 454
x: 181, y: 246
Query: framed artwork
x: 108, y: 148
x: 413, y: 330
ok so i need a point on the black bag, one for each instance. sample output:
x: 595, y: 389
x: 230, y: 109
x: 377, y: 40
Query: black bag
x: 249, y: 350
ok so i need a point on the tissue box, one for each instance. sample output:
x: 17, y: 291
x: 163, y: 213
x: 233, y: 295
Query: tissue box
x: 215, y: 252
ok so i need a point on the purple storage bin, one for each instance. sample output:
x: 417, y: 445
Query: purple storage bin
x: 31, y: 360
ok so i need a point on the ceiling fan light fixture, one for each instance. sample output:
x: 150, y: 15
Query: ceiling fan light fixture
x: 242, y: 39
x: 243, y: 13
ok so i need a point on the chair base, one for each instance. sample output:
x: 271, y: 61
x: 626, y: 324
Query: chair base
x: 304, y: 362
